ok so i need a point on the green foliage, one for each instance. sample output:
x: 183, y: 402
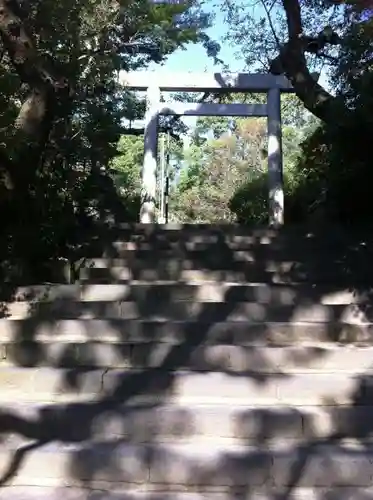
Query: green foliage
x: 329, y: 176
x: 226, y: 179
x: 192, y: 177
x: 215, y: 168
x: 53, y: 220
x: 250, y: 201
x: 126, y: 170
x: 88, y: 172
x: 334, y: 176
x: 126, y: 166
x: 331, y: 181
x: 194, y: 173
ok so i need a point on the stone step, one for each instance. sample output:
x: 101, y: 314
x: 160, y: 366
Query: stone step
x: 238, y: 249
x: 229, y: 244
x: 250, y: 273
x: 330, y: 239
x: 170, y: 423
x: 158, y: 386
x: 176, y: 232
x: 212, y: 244
x: 262, y: 361
x: 226, y: 241
x: 191, y: 333
x: 156, y: 310
x: 209, y: 291
x: 125, y: 491
x: 174, y: 466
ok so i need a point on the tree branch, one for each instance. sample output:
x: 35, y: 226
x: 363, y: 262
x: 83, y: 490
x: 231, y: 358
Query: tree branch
x: 268, y: 14
x: 292, y: 56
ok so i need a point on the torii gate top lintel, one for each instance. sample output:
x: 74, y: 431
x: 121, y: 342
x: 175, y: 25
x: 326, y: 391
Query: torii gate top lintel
x: 205, y: 82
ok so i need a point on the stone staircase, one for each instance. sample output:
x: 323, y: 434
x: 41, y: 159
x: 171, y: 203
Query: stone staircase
x: 197, y: 362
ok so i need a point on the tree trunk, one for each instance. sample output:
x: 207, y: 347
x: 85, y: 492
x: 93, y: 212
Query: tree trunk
x: 37, y: 114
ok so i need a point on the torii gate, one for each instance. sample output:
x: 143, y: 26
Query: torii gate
x: 154, y: 83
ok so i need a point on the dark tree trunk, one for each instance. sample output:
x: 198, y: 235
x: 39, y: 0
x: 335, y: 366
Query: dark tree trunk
x: 37, y: 114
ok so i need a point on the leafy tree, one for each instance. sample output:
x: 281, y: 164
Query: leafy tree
x: 216, y: 170
x: 295, y: 38
x: 127, y: 164
x: 227, y: 160
x: 62, y: 110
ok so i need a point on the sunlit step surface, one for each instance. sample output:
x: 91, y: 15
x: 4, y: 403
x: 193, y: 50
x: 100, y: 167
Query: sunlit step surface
x: 196, y: 291
x: 171, y: 423
x: 108, y: 491
x: 194, y: 333
x: 159, y: 385
x: 157, y: 310
x: 283, y: 273
x: 239, y: 360
x: 193, y: 465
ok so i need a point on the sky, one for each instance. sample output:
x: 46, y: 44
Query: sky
x: 194, y: 57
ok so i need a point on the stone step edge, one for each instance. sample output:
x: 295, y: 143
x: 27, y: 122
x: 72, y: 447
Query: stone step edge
x: 89, y: 398
x: 134, y: 283
x: 151, y: 491
x: 236, y: 312
x: 291, y: 372
x: 324, y: 418
x: 355, y: 334
x: 125, y: 490
x: 206, y: 229
x: 98, y: 297
x: 340, y: 447
x: 244, y: 442
x: 130, y: 356
x: 133, y: 491
x: 197, y: 403
x: 247, y: 323
x: 91, y: 297
x: 255, y: 470
x: 216, y: 445
x: 328, y: 347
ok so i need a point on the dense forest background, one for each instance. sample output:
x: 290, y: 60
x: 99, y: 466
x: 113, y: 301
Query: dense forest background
x: 70, y: 154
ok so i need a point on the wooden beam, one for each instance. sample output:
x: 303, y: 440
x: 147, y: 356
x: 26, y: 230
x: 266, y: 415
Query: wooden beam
x: 205, y: 82
x: 212, y: 109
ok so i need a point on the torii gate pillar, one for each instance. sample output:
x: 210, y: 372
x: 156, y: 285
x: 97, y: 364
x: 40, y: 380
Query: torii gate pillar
x: 149, y: 170
x: 275, y: 167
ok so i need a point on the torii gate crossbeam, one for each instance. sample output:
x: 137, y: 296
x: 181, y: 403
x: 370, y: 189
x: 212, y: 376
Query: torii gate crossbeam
x: 155, y: 82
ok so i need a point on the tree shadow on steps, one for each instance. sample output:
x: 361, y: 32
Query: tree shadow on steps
x: 153, y: 382
x: 59, y: 423
x: 351, y: 473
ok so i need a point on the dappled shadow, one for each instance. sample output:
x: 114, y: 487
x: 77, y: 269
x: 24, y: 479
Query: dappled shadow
x: 349, y: 440
x: 229, y: 385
